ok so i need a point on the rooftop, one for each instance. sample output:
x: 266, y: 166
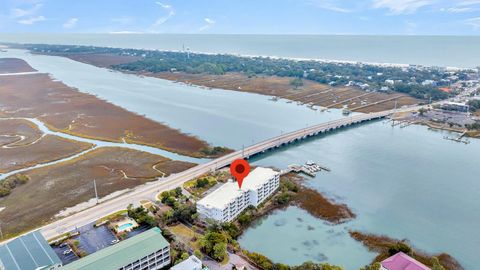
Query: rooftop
x: 189, y: 264
x: 402, y: 261
x: 123, y: 253
x: 30, y: 251
x: 230, y: 190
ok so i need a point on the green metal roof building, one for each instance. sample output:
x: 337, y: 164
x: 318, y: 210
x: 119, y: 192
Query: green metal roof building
x: 148, y: 250
x: 28, y: 252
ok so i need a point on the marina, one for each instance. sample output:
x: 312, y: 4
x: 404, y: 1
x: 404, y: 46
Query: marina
x: 310, y: 168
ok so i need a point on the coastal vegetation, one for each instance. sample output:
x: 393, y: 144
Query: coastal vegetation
x: 67, y: 110
x: 140, y: 215
x: 200, y: 185
x: 385, y: 247
x: 410, y: 79
x: 265, y: 263
x: 14, y: 65
x: 11, y: 182
x: 114, y: 169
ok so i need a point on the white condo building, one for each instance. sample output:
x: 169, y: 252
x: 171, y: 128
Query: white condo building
x: 228, y: 201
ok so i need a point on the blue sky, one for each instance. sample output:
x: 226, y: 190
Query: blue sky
x: 411, y: 17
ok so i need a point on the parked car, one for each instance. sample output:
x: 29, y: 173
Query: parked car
x: 114, y: 241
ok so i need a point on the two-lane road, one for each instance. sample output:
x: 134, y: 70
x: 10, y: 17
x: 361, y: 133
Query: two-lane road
x: 150, y: 190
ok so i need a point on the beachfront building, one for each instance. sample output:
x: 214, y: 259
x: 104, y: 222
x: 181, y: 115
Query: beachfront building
x: 146, y: 251
x: 192, y: 263
x: 28, y: 252
x: 228, y: 201
x: 402, y: 261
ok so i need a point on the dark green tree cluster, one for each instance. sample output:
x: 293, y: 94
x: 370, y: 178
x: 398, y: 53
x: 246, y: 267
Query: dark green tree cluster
x: 202, y: 182
x: 186, y: 212
x: 11, y: 182
x: 170, y: 197
x: 141, y: 215
x: 323, y: 72
x: 265, y: 263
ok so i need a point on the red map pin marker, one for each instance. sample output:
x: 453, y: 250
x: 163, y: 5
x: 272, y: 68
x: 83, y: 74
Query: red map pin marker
x: 240, y: 169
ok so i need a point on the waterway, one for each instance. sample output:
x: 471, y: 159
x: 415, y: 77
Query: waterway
x: 226, y: 118
x: 402, y: 182
x: 405, y: 183
x: 97, y: 143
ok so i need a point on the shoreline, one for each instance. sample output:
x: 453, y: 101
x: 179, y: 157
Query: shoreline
x: 381, y: 244
x: 321, y: 60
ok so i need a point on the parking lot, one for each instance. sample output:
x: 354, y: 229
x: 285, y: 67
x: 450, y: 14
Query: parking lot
x: 65, y: 258
x: 92, y: 239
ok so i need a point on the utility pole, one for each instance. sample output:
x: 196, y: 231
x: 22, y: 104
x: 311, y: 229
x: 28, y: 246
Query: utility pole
x: 95, y: 187
x: 1, y: 233
x: 243, y: 151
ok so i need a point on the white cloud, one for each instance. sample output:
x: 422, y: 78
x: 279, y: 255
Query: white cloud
x: 19, y: 12
x: 32, y: 20
x: 402, y: 6
x: 329, y: 5
x: 474, y: 22
x: 208, y: 24
x: 457, y: 9
x: 469, y: 2
x: 161, y: 20
x: 71, y: 23
x: 165, y: 6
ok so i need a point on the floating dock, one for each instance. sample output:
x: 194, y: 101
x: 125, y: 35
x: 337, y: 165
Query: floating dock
x: 309, y: 168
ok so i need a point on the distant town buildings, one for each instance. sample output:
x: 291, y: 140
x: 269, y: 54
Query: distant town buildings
x: 429, y: 83
x: 146, y: 251
x: 228, y: 201
x: 402, y: 261
x: 455, y: 106
x: 192, y: 263
x: 28, y: 252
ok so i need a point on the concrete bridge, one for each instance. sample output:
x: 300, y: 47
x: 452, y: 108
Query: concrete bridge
x: 296, y: 136
x: 150, y: 190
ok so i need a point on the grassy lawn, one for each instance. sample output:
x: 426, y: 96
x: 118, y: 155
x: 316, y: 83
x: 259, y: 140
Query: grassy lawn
x: 185, y: 235
x: 197, y: 190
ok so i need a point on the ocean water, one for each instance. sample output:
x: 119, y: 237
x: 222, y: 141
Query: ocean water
x: 451, y: 51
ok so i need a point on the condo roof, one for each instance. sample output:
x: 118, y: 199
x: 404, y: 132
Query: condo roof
x: 123, y: 253
x: 30, y: 251
x: 230, y: 190
x: 189, y: 264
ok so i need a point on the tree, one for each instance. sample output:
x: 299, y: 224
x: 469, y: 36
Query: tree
x: 214, y: 244
x: 219, y: 251
x: 244, y: 219
x: 375, y: 266
x: 198, y: 254
x: 202, y: 182
x: 436, y: 264
x: 400, y: 246
x: 178, y: 192
x: 422, y: 111
x: 296, y: 83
